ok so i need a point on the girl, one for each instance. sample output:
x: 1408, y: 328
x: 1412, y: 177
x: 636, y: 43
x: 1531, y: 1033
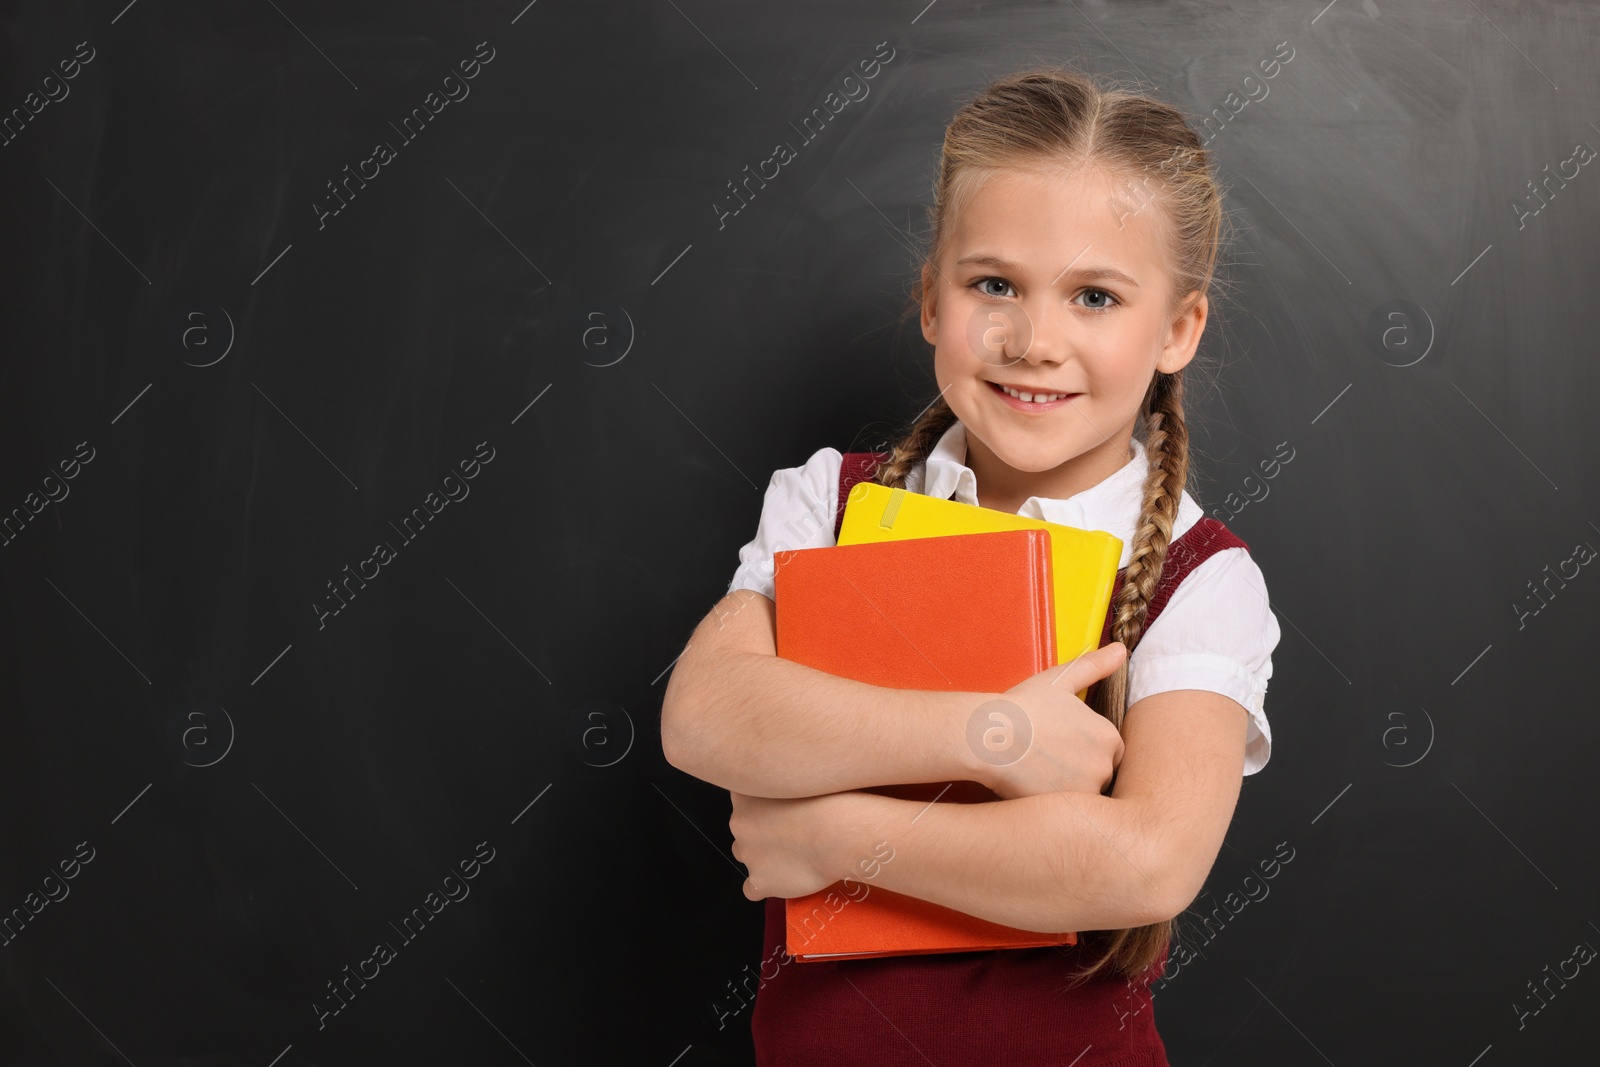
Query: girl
x: 1075, y: 234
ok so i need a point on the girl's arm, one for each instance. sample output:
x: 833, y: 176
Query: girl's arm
x: 1066, y: 861
x: 737, y: 715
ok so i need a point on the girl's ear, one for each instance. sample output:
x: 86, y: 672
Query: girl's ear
x: 930, y: 305
x: 1183, y: 336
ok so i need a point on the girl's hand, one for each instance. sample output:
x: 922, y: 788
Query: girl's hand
x: 1040, y: 737
x: 781, y: 843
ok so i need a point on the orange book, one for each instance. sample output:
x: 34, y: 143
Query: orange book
x: 963, y: 612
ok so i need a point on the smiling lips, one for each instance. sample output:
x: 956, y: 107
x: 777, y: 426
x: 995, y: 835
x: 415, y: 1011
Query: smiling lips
x: 1031, y: 405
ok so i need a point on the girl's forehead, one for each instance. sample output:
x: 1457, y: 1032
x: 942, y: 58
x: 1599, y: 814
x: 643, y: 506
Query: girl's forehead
x: 1028, y: 215
x: 1053, y: 179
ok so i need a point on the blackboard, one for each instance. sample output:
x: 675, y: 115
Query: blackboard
x: 389, y: 387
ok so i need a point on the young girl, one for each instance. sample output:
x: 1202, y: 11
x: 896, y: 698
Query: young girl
x: 1075, y: 234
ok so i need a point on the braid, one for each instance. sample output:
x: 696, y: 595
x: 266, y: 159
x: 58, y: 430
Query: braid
x: 1167, y: 448
x: 914, y: 446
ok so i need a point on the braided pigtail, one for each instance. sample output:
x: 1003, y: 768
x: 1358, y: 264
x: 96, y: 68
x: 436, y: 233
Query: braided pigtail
x: 914, y: 446
x: 1167, y: 447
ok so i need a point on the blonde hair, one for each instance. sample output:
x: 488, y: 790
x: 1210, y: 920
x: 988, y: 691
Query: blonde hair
x: 1055, y: 115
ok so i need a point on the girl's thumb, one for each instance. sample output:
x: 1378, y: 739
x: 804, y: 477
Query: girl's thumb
x: 1110, y: 657
x: 1093, y: 665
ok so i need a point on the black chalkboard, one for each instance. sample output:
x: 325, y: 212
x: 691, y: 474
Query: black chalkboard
x: 389, y: 387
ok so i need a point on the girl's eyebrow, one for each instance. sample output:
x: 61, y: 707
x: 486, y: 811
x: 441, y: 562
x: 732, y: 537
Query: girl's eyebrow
x: 1085, y: 272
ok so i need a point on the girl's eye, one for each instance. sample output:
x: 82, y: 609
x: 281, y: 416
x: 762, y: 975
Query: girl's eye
x: 1102, y: 293
x: 983, y: 286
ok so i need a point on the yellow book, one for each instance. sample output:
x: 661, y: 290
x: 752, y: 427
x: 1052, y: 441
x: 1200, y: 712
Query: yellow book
x: 1084, y: 561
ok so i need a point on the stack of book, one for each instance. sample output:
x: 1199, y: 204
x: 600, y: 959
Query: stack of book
x: 921, y: 593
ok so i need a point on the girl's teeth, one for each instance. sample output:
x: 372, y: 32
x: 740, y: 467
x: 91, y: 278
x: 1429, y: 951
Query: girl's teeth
x: 1038, y: 398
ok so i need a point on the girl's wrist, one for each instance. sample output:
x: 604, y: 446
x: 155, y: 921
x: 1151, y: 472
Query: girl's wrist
x: 835, y: 828
x: 964, y: 737
x: 849, y: 832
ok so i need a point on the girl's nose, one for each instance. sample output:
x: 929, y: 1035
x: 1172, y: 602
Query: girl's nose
x: 1041, y: 340
x: 1000, y: 336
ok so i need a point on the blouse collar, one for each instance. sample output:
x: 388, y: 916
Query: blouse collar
x: 1112, y: 505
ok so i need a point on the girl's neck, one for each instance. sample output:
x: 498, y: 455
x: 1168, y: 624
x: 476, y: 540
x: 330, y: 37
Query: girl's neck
x: 1004, y: 488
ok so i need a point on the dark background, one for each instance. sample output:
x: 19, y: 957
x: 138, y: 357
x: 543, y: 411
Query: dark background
x: 542, y: 269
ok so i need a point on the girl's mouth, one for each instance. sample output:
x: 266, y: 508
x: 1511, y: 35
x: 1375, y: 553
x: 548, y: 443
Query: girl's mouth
x: 1031, y: 406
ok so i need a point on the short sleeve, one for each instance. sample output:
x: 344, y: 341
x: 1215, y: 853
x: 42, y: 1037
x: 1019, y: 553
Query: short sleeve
x: 798, y: 512
x: 1217, y: 632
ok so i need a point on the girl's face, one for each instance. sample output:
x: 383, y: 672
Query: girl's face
x: 1053, y: 283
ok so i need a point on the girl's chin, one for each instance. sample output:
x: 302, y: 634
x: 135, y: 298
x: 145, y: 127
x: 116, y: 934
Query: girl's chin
x: 1025, y: 455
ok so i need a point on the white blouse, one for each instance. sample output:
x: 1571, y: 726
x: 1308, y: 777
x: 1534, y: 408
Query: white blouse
x: 1217, y: 631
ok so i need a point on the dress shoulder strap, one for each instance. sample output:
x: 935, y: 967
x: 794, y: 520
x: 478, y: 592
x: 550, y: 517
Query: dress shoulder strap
x: 857, y: 467
x: 1198, y: 544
